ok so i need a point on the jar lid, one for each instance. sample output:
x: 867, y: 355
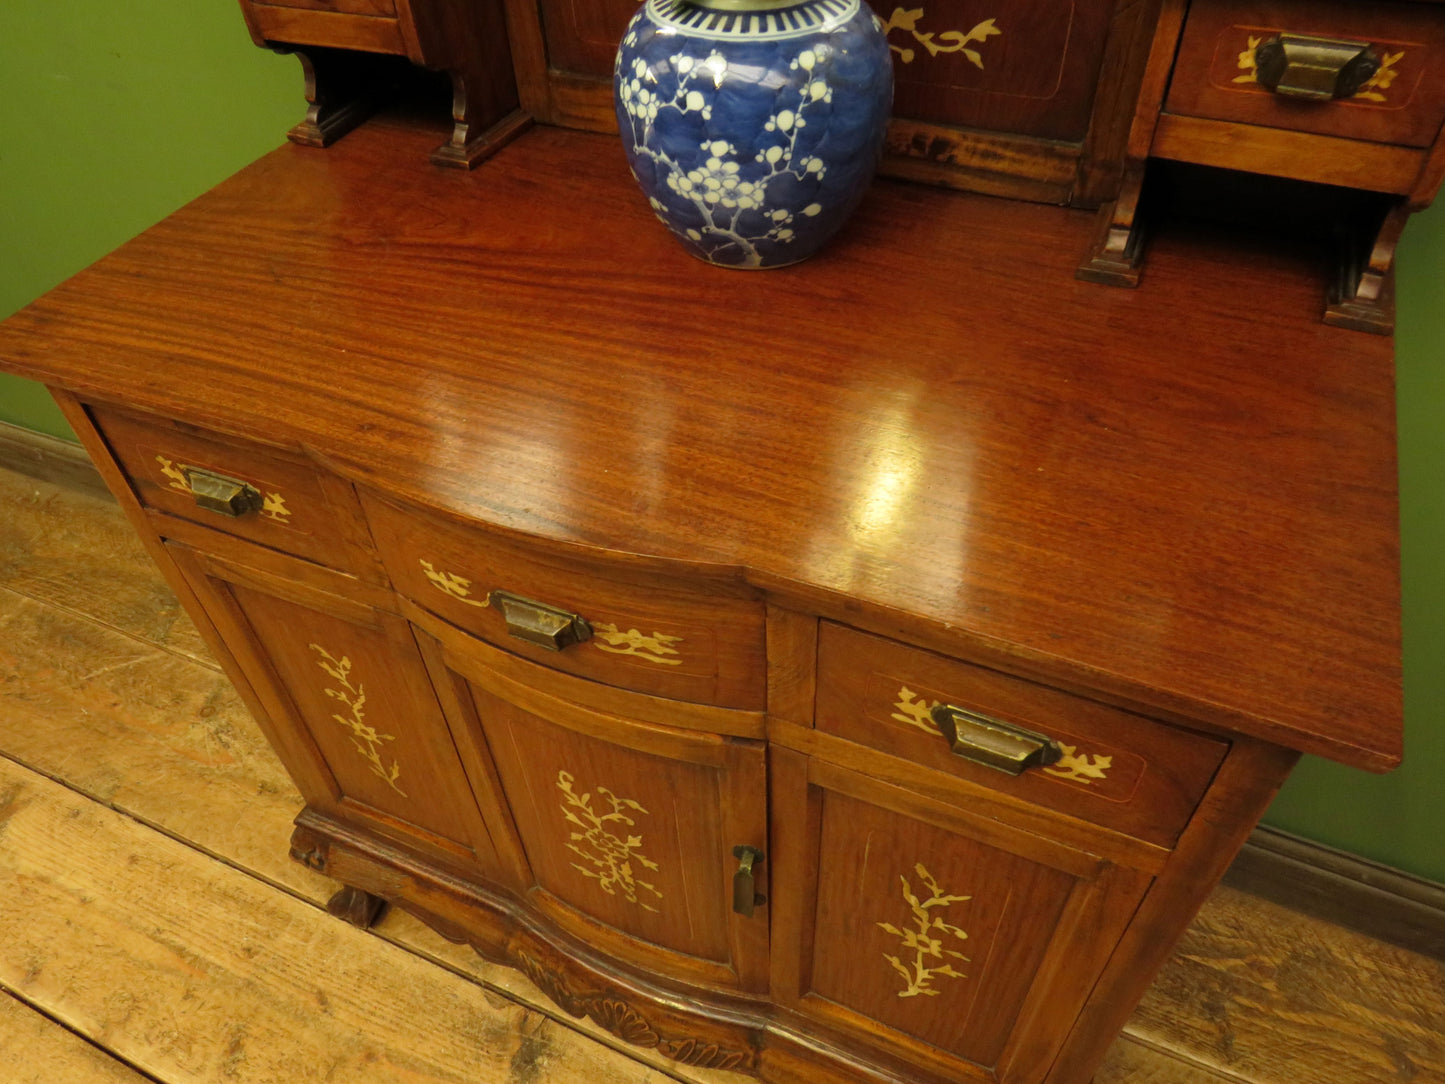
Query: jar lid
x: 744, y: 5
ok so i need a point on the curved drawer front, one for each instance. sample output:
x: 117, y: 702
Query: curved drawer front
x: 1116, y: 769
x: 657, y: 634
x: 243, y: 489
x: 1399, y: 98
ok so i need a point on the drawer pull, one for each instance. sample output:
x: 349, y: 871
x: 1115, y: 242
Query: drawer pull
x: 1315, y: 69
x: 224, y: 496
x: 992, y: 742
x: 745, y: 893
x: 540, y: 624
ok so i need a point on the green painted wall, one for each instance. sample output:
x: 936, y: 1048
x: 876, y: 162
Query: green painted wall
x: 111, y: 116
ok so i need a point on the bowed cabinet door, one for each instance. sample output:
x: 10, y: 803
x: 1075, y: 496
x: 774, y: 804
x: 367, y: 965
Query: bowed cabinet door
x: 956, y: 941
x: 348, y: 706
x: 628, y: 827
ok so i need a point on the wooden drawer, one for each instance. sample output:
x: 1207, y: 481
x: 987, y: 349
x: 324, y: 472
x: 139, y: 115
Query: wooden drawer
x: 1120, y: 770
x: 1215, y: 74
x: 654, y: 629
x: 302, y: 510
x: 367, y: 25
x: 343, y: 7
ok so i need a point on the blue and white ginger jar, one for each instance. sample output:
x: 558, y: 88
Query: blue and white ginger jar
x: 753, y: 133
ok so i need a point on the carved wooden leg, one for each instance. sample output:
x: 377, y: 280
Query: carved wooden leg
x: 1117, y: 252
x: 1363, y: 295
x: 340, y: 94
x: 359, y: 908
x: 476, y: 133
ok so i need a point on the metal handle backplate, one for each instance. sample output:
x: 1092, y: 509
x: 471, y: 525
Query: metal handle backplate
x: 993, y: 742
x: 1315, y: 69
x: 745, y: 893
x: 540, y: 624
x: 222, y: 495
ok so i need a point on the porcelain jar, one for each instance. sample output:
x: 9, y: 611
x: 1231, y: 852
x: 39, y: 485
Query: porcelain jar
x: 753, y: 133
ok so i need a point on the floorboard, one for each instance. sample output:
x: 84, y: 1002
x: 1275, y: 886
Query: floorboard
x: 34, y: 1049
x: 194, y: 972
x: 151, y: 906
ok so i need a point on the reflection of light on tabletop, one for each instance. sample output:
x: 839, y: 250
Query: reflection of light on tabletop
x: 889, y: 515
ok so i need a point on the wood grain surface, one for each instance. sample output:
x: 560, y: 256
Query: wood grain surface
x: 1255, y: 994
x: 193, y: 971
x: 72, y: 551
x: 1120, y: 492
x: 39, y: 1051
x: 1255, y: 991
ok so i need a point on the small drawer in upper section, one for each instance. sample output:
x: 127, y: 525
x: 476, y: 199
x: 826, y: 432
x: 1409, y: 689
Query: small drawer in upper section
x: 1362, y: 71
x: 342, y: 7
x: 367, y: 25
x: 1100, y: 763
x: 643, y: 625
x: 261, y: 494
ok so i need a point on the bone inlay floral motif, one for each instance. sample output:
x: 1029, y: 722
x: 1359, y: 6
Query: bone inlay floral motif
x: 950, y: 41
x: 609, y: 857
x: 178, y: 479
x: 608, y: 637
x: 367, y: 739
x: 1079, y: 769
x: 914, y: 712
x: 449, y: 583
x: 275, y: 508
x: 925, y: 939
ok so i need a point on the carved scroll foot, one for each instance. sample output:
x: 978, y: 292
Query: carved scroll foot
x: 342, y: 90
x: 359, y: 908
x: 476, y: 134
x: 1116, y: 256
x: 1362, y: 296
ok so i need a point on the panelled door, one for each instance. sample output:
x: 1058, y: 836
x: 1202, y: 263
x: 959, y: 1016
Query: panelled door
x: 942, y: 933
x: 630, y: 828
x: 348, y: 705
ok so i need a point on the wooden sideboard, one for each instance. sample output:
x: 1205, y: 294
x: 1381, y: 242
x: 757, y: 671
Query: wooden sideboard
x: 620, y: 616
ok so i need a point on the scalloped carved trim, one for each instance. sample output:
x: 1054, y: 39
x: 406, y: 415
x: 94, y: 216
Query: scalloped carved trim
x: 622, y: 1020
x: 703, y: 1055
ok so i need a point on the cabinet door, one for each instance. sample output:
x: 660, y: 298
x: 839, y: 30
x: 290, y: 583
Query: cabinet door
x: 629, y: 827
x: 944, y: 935
x: 348, y: 706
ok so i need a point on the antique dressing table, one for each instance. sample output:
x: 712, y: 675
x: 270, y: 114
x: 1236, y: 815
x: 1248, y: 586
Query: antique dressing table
x: 857, y: 672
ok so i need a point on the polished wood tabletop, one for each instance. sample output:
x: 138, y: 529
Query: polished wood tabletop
x: 1180, y: 498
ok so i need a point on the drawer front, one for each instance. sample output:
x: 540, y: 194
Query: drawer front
x: 341, y: 7
x: 366, y: 25
x: 1118, y: 769
x: 654, y: 634
x: 1217, y: 73
x: 293, y: 507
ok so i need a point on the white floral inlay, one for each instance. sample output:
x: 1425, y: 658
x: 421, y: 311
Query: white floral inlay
x: 719, y: 189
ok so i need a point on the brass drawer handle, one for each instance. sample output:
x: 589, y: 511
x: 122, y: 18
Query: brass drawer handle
x: 540, y: 624
x: 1315, y: 69
x: 993, y: 742
x: 745, y: 892
x: 222, y: 495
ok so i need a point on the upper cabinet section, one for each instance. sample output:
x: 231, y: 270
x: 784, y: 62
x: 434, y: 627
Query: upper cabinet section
x: 997, y: 95
x: 1021, y: 66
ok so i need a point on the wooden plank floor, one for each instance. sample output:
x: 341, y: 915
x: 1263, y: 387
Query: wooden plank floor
x: 153, y: 928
